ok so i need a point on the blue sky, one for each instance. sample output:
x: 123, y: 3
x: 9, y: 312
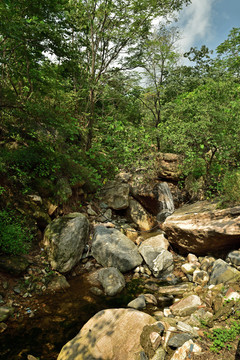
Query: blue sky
x: 208, y: 22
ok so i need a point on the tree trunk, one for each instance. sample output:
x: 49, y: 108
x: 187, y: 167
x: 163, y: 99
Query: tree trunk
x: 90, y: 120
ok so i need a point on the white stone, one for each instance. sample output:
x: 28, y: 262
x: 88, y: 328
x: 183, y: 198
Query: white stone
x: 185, y: 350
x: 188, y: 268
x: 191, y: 258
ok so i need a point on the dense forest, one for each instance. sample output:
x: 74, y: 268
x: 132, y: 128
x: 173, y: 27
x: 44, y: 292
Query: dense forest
x: 89, y: 87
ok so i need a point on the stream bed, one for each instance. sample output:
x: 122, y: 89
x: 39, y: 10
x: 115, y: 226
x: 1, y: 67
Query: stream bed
x: 59, y: 318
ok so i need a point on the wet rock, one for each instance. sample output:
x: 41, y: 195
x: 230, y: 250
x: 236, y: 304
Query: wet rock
x: 223, y: 273
x: 179, y: 339
x: 59, y: 282
x: 96, y: 291
x: 140, y: 216
x: 64, y: 241
x: 15, y: 265
x: 5, y: 312
x: 111, y: 280
x: 201, y: 228
x: 234, y: 257
x: 116, y: 195
x: 113, y: 249
x: 139, y: 303
x: 186, y: 306
x: 185, y: 350
x: 110, y: 334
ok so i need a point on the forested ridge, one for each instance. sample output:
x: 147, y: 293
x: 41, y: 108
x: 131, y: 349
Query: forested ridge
x: 89, y: 87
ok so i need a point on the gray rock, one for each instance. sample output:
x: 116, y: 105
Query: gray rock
x: 139, y: 303
x: 165, y: 201
x: 96, y: 291
x: 111, y: 280
x: 5, y: 312
x: 223, y: 273
x: 163, y: 264
x: 64, y: 241
x: 116, y: 195
x: 234, y: 257
x: 113, y: 249
x: 179, y: 339
x: 159, y: 260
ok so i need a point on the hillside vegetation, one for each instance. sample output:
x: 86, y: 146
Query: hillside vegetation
x: 74, y: 104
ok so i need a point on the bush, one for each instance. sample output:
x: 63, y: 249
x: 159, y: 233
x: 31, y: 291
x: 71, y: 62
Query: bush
x: 15, y: 237
x: 231, y: 188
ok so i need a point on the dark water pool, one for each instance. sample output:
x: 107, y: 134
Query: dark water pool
x: 58, y: 319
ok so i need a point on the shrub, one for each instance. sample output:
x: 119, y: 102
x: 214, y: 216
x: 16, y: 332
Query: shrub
x: 15, y: 237
x: 231, y: 188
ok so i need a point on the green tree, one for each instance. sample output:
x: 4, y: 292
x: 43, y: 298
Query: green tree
x: 204, y: 126
x: 107, y: 29
x: 229, y: 53
x: 158, y: 57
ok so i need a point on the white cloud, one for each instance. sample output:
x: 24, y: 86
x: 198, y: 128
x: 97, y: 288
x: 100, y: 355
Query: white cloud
x: 195, y: 23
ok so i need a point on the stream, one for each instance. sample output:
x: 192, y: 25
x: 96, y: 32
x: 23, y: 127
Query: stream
x: 60, y: 317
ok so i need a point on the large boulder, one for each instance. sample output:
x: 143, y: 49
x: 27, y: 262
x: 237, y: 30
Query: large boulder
x: 140, y: 216
x: 111, y: 248
x: 64, y: 241
x: 154, y: 196
x: 110, y: 334
x: 116, y: 195
x: 203, y: 229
